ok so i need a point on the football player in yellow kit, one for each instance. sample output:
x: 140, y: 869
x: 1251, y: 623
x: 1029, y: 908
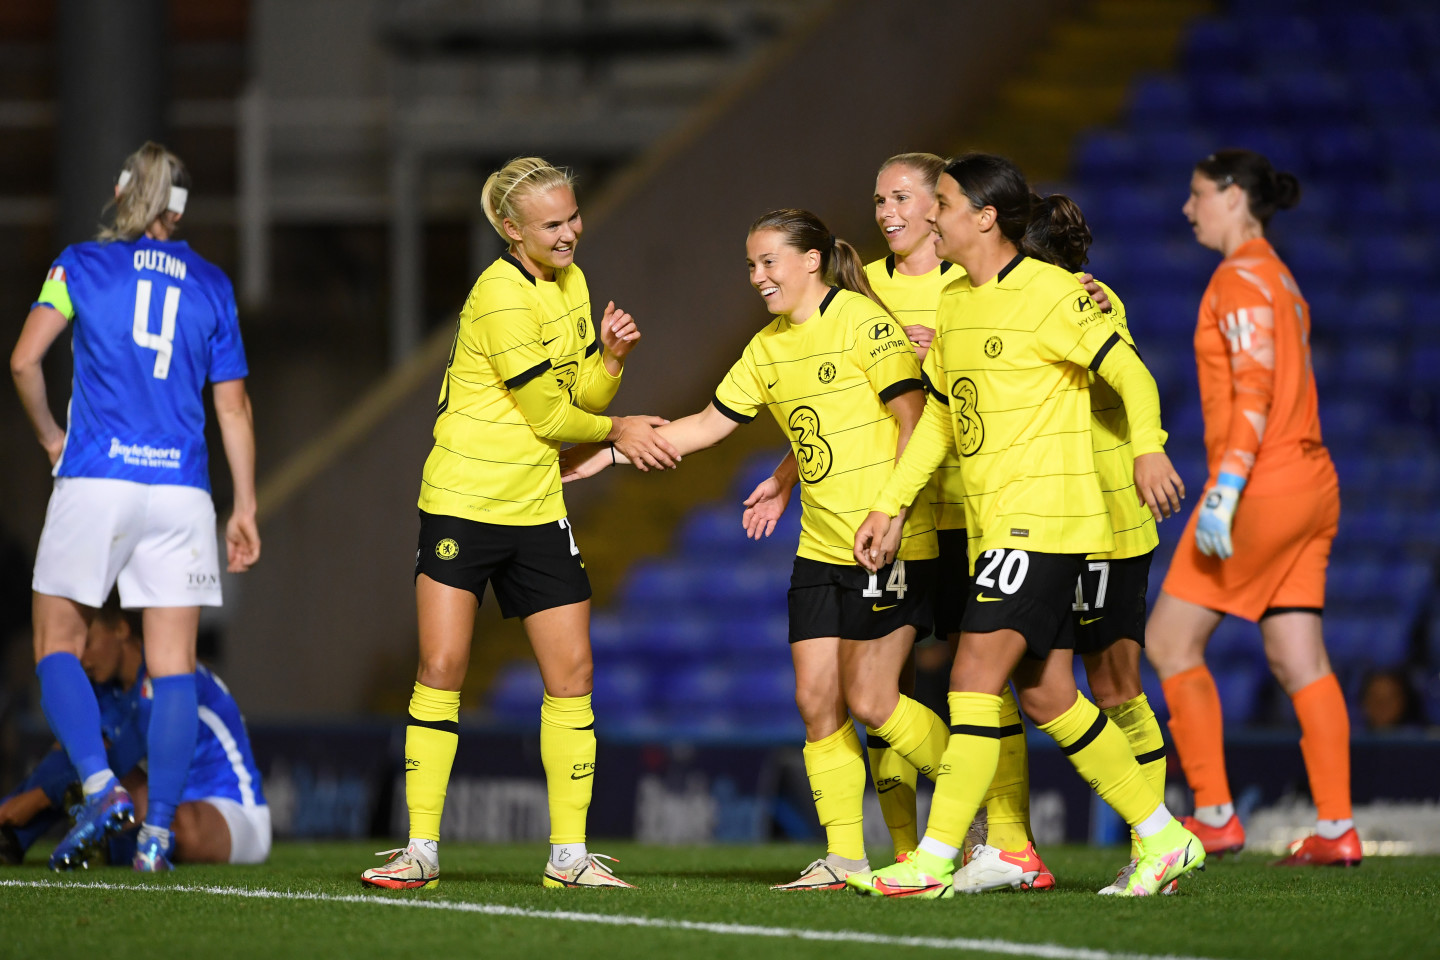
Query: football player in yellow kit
x: 529, y: 370
x: 843, y: 383
x: 1008, y: 383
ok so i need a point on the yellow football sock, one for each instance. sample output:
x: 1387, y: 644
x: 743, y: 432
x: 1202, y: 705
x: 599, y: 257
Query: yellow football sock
x: 567, y: 751
x: 1137, y: 721
x: 967, y: 768
x: 917, y: 734
x: 431, y: 736
x: 894, y: 781
x: 1007, y: 804
x: 1103, y: 759
x: 836, y: 768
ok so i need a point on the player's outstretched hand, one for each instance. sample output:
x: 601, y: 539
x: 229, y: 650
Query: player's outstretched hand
x: 1158, y: 485
x: 922, y: 336
x: 764, y: 507
x: 870, y: 541
x: 585, y: 460
x: 242, y: 542
x: 636, y: 438
x: 618, y: 333
x: 1097, y: 292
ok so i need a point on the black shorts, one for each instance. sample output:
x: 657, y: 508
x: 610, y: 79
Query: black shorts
x: 1110, y: 603
x: 530, y: 568
x: 1031, y: 593
x: 847, y: 601
x: 952, y: 582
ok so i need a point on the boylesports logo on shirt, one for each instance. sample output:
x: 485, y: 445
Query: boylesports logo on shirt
x: 144, y: 455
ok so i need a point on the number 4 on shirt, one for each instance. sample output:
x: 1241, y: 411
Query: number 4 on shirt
x: 163, y: 342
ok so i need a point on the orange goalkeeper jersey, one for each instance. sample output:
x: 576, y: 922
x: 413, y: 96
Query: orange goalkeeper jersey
x: 1257, y: 387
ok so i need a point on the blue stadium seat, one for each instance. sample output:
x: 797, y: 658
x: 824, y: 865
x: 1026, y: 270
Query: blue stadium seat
x: 517, y: 691
x: 1305, y: 96
x: 618, y: 685
x: 1160, y: 103
x: 1107, y: 157
x: 1227, y: 98
x: 1387, y: 257
x: 1239, y: 689
x: 1235, y: 643
x: 1367, y: 642
x: 1346, y: 153
x: 1392, y: 93
x: 1215, y: 46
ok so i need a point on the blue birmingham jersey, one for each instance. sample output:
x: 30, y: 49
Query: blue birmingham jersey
x: 223, y: 765
x: 153, y: 320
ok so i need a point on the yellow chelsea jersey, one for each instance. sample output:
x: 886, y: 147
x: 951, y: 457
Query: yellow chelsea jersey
x: 826, y: 382
x: 1133, y: 524
x: 914, y: 300
x: 488, y: 464
x: 1009, y: 367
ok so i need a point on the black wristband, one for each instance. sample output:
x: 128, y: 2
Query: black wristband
x: 612, y: 455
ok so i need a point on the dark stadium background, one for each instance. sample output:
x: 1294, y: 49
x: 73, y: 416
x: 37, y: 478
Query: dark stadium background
x: 337, y: 148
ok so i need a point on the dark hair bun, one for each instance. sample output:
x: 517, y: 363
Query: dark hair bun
x: 1287, y: 191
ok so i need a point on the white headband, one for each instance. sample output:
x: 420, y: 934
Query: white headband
x: 178, y: 195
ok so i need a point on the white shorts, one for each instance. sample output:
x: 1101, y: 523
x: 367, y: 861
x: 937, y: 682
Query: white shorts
x: 157, y: 541
x: 249, y: 829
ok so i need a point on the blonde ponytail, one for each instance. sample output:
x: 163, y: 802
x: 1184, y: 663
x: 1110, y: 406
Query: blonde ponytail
x: 518, y: 179
x: 150, y: 180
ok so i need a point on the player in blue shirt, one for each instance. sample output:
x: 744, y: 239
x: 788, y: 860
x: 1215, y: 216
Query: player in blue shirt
x: 222, y: 816
x: 152, y: 322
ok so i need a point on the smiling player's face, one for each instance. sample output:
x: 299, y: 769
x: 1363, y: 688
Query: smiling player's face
x: 778, y: 272
x: 104, y: 650
x: 952, y: 219
x: 901, y: 204
x: 551, y: 227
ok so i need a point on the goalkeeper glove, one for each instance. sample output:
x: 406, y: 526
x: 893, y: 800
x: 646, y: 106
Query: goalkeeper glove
x: 1217, y: 513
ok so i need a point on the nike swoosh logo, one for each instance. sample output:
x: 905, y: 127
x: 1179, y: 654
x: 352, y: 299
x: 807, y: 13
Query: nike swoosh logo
x: 546, y: 343
x: 582, y: 776
x: 771, y: 386
x: 1086, y: 623
x: 984, y: 599
x: 880, y: 609
x: 886, y: 788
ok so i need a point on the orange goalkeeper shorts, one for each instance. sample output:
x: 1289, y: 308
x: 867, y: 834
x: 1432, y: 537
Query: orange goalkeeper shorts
x: 1282, y: 547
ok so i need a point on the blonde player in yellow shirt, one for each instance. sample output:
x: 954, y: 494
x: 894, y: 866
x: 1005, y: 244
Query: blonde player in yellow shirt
x: 1109, y: 608
x: 843, y: 383
x: 1008, y: 379
x: 529, y: 370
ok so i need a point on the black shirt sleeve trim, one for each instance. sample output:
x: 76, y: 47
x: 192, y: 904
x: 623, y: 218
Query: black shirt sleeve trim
x: 518, y: 266
x: 930, y: 388
x: 900, y: 387
x: 1104, y: 351
x: 520, y: 379
x: 731, y: 414
x: 828, y: 297
x: 890, y: 265
x: 593, y: 349
x: 1005, y: 270
x: 945, y: 265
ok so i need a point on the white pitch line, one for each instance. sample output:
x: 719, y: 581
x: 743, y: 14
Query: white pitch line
x: 1046, y: 951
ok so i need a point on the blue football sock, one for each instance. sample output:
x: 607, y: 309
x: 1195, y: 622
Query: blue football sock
x: 69, y: 704
x: 174, y: 722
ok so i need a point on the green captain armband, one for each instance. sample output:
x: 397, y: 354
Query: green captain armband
x: 56, y: 293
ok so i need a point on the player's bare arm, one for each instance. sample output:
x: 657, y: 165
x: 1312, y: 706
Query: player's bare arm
x: 42, y: 327
x: 237, y: 432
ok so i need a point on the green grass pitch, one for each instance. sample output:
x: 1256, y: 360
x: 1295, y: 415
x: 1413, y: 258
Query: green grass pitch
x: 1238, y: 908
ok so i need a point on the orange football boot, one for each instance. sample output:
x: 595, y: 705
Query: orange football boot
x: 1316, y: 851
x: 1218, y: 841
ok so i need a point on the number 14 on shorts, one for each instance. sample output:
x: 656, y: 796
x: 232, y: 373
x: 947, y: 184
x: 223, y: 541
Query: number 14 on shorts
x: 895, y: 584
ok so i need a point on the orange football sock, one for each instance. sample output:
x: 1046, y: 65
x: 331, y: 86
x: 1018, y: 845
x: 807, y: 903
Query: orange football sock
x: 1325, y: 743
x: 1199, y: 733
